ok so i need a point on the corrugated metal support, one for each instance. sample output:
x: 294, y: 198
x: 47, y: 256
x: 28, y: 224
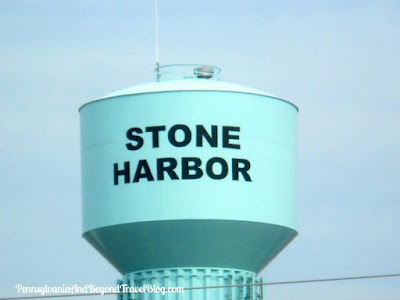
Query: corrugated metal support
x: 198, y: 278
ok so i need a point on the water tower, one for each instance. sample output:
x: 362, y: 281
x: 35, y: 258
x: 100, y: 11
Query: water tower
x: 189, y: 181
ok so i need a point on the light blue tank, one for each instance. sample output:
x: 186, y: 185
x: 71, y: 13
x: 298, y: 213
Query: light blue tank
x: 189, y: 182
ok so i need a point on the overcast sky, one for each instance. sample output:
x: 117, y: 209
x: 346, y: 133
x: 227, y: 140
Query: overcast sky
x: 338, y: 61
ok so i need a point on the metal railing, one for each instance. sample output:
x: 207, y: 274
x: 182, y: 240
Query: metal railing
x: 187, y: 71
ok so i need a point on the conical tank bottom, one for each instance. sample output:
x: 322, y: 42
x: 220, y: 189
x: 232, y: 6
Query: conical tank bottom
x: 187, y: 243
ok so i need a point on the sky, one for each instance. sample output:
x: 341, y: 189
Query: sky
x: 338, y: 61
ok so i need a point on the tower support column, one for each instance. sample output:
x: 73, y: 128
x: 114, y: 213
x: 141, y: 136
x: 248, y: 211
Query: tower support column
x: 198, y: 284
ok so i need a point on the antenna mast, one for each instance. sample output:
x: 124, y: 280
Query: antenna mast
x: 157, y: 58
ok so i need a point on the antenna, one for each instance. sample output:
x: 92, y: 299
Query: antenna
x: 157, y: 58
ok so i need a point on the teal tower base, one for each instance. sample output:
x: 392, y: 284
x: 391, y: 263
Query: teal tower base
x: 198, y: 284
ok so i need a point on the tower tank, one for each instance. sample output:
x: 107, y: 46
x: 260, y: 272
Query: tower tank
x: 189, y: 181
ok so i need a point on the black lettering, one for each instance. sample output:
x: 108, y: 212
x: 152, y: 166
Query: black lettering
x: 136, y: 138
x: 226, y: 137
x: 201, y: 133
x: 161, y: 168
x: 155, y: 130
x: 193, y: 171
x: 172, y: 135
x: 124, y: 172
x: 210, y: 170
x: 243, y: 170
x: 143, y: 165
